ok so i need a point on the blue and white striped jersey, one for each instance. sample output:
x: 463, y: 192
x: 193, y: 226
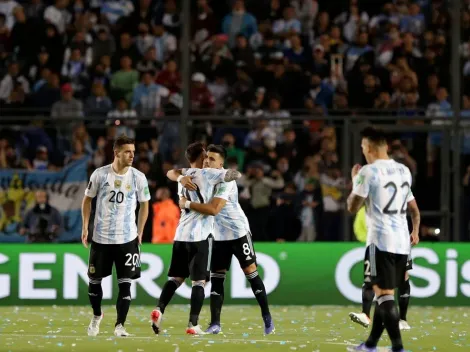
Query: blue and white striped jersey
x: 386, y: 185
x: 116, y: 203
x: 231, y: 223
x: 194, y: 226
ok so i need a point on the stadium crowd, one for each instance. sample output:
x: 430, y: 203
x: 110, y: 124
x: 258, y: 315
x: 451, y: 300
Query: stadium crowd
x: 260, y: 63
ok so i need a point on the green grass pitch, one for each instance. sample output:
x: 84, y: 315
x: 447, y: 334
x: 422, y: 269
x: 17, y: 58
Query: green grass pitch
x: 305, y: 329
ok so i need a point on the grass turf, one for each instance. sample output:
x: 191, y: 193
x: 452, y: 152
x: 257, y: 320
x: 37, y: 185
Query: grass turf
x: 309, y: 329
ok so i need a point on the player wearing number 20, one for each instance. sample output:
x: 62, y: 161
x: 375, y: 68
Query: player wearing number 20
x: 116, y: 238
x: 385, y: 187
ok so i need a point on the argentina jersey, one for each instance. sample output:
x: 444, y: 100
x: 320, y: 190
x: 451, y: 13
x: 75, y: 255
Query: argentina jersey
x: 194, y: 226
x: 386, y: 185
x: 231, y: 223
x: 117, y: 197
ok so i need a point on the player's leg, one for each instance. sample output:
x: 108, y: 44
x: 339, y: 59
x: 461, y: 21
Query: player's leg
x: 177, y: 273
x: 127, y: 261
x: 100, y: 265
x: 245, y: 253
x: 199, y: 272
x: 220, y: 264
x: 384, y: 269
x: 368, y: 294
x: 404, y: 297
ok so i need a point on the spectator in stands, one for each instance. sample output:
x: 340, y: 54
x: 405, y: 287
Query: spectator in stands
x: 166, y: 215
x: 20, y: 35
x: 148, y: 96
x: 305, y: 11
x: 310, y: 199
x: 68, y: 106
x: 124, y: 118
x: 75, y: 69
x: 204, y: 24
x: 125, y: 80
x: 258, y: 189
x: 102, y: 46
x: 9, y: 159
x: 165, y: 43
x: 333, y: 190
x: 77, y: 153
x: 126, y: 48
x: 288, y: 25
x: 115, y: 10
x: 58, y: 15
x: 285, y: 224
x: 42, y: 223
x: 239, y: 21
x: 41, y: 160
x: 11, y: 79
x: 170, y: 76
x: 98, y: 104
x: 144, y: 40
x: 149, y: 61
x: 48, y: 94
x: 202, y: 100
x: 53, y: 43
x: 42, y: 61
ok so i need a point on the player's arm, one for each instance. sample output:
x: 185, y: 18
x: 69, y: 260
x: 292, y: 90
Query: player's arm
x: 176, y: 175
x: 216, y: 176
x: 213, y: 208
x: 143, y: 196
x: 360, y: 189
x: 142, y: 218
x: 415, y: 219
x: 90, y: 193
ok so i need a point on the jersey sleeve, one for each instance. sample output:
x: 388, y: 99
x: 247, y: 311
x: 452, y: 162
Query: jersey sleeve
x: 143, y: 192
x: 214, y: 176
x: 92, y: 187
x: 361, y: 183
x: 223, y: 190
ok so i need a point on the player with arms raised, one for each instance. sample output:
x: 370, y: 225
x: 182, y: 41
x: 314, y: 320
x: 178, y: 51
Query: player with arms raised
x: 192, y: 248
x: 116, y: 238
x: 232, y: 237
x: 385, y: 187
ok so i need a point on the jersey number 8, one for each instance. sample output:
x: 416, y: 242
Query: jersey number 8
x: 116, y: 197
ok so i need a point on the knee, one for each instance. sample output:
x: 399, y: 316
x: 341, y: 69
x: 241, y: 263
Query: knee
x: 367, y: 286
x: 177, y: 280
x: 125, y: 288
x: 250, y: 269
x: 200, y: 283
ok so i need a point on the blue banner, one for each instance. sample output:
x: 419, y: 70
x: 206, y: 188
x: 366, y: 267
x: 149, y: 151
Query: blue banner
x: 65, y: 189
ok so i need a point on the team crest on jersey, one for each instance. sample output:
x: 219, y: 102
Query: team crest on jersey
x: 92, y: 269
x: 128, y: 187
x: 117, y: 183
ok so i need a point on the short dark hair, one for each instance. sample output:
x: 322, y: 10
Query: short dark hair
x: 193, y: 151
x: 122, y: 140
x: 374, y: 135
x: 217, y: 149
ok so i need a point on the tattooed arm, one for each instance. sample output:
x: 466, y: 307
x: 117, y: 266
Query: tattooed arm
x: 415, y: 219
x: 232, y: 175
x: 354, y: 203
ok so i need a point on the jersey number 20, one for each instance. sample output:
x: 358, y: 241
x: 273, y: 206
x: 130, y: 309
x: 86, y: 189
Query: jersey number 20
x: 387, y: 209
x: 116, y: 197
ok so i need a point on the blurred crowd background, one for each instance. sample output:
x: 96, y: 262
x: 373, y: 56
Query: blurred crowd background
x: 272, y: 80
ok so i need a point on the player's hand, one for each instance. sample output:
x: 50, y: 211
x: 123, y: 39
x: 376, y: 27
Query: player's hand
x: 187, y: 183
x: 355, y: 170
x: 414, y: 238
x: 182, y: 202
x: 85, y: 238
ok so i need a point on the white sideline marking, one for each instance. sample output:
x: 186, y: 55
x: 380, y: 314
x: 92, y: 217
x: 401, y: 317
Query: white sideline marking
x: 102, y: 337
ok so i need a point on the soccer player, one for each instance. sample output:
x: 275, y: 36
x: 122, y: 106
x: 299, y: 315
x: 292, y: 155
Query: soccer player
x: 193, y: 243
x: 116, y: 238
x: 232, y: 237
x: 385, y: 187
x: 404, y: 289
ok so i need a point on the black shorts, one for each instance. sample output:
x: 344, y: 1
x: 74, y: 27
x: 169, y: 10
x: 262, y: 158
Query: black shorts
x: 126, y: 258
x: 191, y: 259
x: 242, y: 248
x: 409, y: 263
x: 384, y: 269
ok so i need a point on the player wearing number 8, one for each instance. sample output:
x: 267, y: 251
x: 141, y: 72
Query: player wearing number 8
x: 116, y: 237
x: 385, y: 187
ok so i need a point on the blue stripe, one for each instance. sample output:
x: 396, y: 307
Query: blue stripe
x: 373, y: 267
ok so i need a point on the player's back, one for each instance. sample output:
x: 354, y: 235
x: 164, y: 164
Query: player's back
x: 194, y: 226
x: 231, y: 223
x: 386, y: 205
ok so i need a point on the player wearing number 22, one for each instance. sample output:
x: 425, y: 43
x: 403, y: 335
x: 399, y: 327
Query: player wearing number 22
x: 116, y: 238
x: 385, y: 187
